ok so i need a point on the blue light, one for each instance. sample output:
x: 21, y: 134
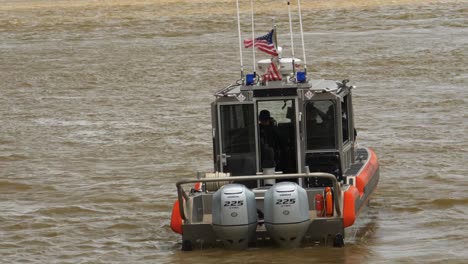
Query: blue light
x: 250, y: 79
x: 301, y: 77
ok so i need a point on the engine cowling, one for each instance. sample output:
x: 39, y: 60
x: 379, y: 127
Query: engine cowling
x: 286, y: 213
x: 234, y: 215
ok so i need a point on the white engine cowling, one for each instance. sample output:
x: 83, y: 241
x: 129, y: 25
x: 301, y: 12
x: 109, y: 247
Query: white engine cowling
x: 287, y: 213
x: 234, y: 215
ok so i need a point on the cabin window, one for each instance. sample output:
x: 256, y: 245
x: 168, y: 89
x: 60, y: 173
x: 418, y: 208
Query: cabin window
x: 238, y: 128
x: 345, y: 118
x: 238, y: 139
x: 320, y: 125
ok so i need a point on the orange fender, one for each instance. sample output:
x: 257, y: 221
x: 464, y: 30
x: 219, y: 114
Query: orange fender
x: 176, y: 219
x: 328, y: 201
x: 367, y: 172
x: 349, y: 206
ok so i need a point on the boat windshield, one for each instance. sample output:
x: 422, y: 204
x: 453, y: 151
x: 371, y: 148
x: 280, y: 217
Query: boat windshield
x: 320, y: 125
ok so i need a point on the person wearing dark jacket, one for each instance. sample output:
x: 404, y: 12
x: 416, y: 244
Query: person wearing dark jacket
x: 269, y: 140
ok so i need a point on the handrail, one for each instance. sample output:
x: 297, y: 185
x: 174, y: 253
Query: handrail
x: 181, y: 195
x: 226, y: 89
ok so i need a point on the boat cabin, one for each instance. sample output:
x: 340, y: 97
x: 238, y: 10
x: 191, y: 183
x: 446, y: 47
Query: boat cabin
x: 284, y: 128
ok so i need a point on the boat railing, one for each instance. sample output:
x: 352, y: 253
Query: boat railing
x: 227, y: 89
x: 182, y: 195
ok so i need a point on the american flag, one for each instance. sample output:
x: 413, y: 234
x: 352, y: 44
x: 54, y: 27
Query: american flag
x: 263, y: 43
x: 272, y: 73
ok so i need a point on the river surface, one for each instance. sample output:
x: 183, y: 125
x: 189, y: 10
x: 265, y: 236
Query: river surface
x: 104, y: 105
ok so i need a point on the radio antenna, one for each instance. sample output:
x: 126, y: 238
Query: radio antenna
x: 253, y: 37
x: 240, y: 42
x: 302, y: 34
x: 292, y: 42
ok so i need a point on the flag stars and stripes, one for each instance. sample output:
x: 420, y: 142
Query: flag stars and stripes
x: 263, y: 43
x: 272, y: 73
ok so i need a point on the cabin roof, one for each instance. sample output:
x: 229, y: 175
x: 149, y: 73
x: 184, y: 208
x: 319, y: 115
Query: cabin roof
x: 318, y: 84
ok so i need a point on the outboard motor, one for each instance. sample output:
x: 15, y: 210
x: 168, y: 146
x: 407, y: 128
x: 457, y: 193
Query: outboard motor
x: 234, y: 215
x: 287, y: 213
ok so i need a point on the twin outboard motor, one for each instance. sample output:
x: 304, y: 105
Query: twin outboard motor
x: 287, y: 213
x: 234, y: 215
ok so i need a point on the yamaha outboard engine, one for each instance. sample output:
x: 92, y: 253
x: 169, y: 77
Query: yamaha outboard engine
x: 234, y: 215
x: 287, y: 213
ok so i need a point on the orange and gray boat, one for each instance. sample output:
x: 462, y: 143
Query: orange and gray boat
x: 287, y: 167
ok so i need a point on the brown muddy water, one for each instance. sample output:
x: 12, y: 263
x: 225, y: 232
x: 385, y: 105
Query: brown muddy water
x: 104, y: 105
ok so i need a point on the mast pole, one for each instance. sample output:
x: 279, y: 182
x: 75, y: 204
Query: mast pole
x: 253, y: 37
x: 275, y: 35
x: 302, y: 34
x: 240, y: 42
x: 292, y: 41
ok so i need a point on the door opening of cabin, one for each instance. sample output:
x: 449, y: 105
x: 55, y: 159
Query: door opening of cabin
x: 277, y: 135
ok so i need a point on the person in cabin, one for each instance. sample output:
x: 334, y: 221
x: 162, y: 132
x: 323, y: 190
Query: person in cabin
x: 270, y: 141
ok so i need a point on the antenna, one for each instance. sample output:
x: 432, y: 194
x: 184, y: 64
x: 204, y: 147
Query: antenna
x: 302, y: 34
x: 253, y: 37
x: 240, y: 41
x: 292, y: 42
x: 275, y: 35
